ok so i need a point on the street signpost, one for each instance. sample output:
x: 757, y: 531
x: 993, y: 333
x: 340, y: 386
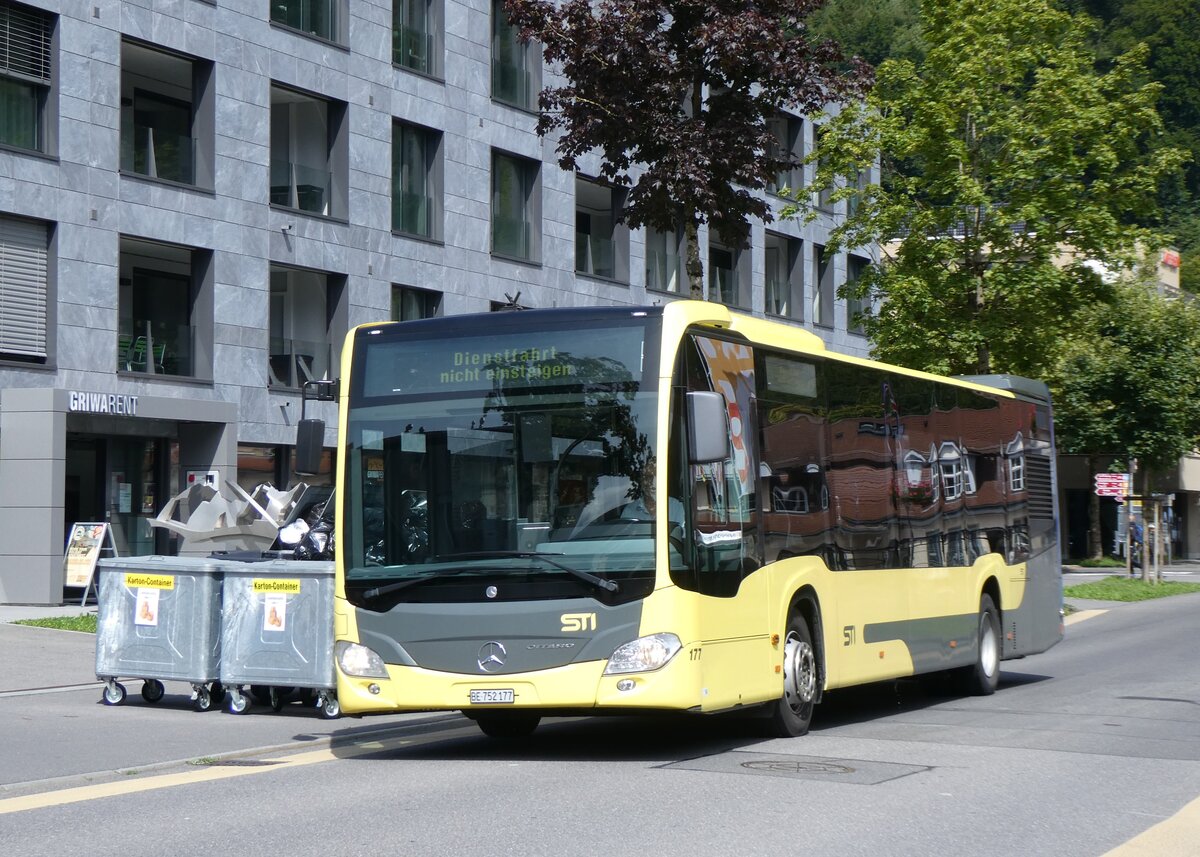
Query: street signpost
x: 1112, y: 484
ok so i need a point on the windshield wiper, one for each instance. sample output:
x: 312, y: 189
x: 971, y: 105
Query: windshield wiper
x: 396, y: 586
x: 586, y: 577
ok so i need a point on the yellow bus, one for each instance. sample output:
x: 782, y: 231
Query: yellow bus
x: 675, y: 508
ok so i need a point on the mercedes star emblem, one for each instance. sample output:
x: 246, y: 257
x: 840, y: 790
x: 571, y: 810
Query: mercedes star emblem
x: 492, y: 656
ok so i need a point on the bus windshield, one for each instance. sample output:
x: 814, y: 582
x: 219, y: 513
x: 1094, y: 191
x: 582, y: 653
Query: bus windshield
x: 502, y: 463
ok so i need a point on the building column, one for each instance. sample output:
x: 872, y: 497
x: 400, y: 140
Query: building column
x: 33, y: 444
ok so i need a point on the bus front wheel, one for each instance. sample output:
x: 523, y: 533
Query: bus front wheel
x: 792, y: 714
x: 506, y: 724
x: 983, y: 678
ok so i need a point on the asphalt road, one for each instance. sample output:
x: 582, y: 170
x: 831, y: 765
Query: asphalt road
x: 1083, y: 750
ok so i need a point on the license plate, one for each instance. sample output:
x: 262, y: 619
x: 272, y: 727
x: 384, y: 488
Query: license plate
x: 491, y: 697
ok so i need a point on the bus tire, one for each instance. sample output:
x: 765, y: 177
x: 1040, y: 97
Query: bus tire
x: 792, y: 713
x: 507, y: 724
x: 983, y: 678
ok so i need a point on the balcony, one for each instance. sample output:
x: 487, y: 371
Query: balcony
x: 594, y: 255
x: 410, y: 213
x: 300, y: 186
x: 413, y: 49
x: 159, y: 154
x: 664, y: 271
x: 156, y: 348
x: 294, y: 361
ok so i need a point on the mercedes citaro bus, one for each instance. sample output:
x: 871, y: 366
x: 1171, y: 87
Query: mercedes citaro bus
x: 675, y: 508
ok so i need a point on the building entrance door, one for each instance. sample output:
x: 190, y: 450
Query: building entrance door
x: 84, y: 495
x: 136, y: 472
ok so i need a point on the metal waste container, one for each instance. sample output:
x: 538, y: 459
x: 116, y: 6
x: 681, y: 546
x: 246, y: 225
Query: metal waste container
x: 277, y: 631
x: 159, y: 617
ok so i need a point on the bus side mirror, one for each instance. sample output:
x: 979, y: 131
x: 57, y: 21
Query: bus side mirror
x: 310, y: 441
x: 708, y: 427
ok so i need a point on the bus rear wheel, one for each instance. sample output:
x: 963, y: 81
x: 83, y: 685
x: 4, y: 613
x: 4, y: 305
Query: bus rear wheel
x: 792, y: 713
x: 983, y: 678
x: 507, y: 724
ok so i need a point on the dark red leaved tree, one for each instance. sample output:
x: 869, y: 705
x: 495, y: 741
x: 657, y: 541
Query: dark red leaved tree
x: 676, y: 98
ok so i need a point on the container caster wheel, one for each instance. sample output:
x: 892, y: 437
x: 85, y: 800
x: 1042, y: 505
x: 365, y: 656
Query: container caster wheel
x: 238, y: 702
x: 276, y: 700
x: 331, y: 709
x: 203, y: 700
x: 114, y: 693
x: 152, y: 690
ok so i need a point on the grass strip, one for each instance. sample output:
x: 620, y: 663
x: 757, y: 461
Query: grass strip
x: 85, y: 622
x: 1128, y: 589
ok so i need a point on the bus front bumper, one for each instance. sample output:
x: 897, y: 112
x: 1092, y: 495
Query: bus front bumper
x: 676, y: 686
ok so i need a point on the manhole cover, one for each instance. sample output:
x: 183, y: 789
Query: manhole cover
x: 784, y: 766
x: 854, y: 771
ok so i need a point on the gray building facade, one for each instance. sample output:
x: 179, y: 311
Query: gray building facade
x: 199, y: 198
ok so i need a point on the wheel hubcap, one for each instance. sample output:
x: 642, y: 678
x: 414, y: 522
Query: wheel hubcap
x: 989, y: 650
x: 799, y: 672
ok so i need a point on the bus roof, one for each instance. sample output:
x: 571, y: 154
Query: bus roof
x: 680, y: 315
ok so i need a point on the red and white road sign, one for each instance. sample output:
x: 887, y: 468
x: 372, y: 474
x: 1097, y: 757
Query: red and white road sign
x: 1112, y: 484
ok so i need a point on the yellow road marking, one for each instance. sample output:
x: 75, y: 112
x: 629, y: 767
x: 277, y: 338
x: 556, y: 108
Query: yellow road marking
x: 210, y: 773
x: 1178, y: 835
x: 1083, y: 616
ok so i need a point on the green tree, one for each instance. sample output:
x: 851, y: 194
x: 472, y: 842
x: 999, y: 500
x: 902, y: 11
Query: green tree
x: 1008, y: 162
x: 675, y: 96
x: 1127, y: 384
x: 875, y: 30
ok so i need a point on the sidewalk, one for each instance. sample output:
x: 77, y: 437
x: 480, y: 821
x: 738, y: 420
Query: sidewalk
x: 15, y: 613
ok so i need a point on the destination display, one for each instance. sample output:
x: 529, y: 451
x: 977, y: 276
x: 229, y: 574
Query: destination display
x: 597, y: 356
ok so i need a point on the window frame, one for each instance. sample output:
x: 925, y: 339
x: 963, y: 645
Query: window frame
x: 40, y: 78
x: 336, y: 148
x: 505, y: 36
x: 529, y: 174
x: 338, y: 25
x: 431, y: 141
x: 28, y: 244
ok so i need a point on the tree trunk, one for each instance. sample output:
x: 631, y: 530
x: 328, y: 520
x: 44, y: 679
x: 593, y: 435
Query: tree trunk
x: 1095, y: 548
x: 695, y: 268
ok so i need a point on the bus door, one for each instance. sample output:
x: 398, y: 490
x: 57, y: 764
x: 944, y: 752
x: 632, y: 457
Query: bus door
x: 726, y: 543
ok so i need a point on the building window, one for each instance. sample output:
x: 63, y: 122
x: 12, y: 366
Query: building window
x: 825, y: 193
x: 416, y: 180
x: 861, y: 179
x: 727, y: 282
x: 320, y: 18
x: 788, y: 134
x: 1015, y: 452
x: 516, y: 211
x: 664, y: 260
x: 161, y: 288
x: 954, y: 479
x: 26, y: 38
x: 309, y: 159
x: 784, y: 285
x: 416, y: 35
x: 160, y: 93
x: 855, y: 306
x: 308, y: 319
x: 409, y: 303
x: 516, y: 67
x: 823, y: 294
x: 24, y: 289
x: 601, y: 240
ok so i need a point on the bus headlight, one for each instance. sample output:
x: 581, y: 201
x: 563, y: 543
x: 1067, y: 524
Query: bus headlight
x: 359, y: 661
x: 643, y: 654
